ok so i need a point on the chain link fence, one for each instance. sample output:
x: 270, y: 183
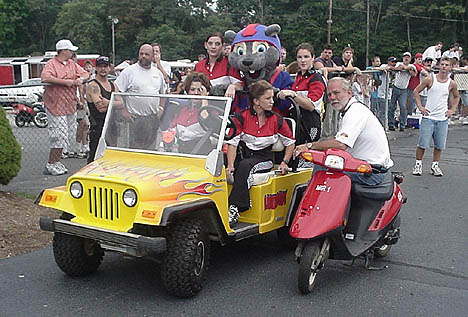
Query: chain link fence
x: 28, y: 119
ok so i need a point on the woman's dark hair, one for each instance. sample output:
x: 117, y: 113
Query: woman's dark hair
x: 258, y: 89
x: 217, y: 34
x: 305, y: 46
x: 196, y: 77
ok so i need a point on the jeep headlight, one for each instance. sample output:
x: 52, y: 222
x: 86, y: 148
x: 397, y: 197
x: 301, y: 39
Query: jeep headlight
x: 129, y: 197
x: 76, y: 190
x: 334, y: 161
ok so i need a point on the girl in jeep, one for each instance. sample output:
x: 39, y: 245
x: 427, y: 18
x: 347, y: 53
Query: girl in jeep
x: 258, y: 128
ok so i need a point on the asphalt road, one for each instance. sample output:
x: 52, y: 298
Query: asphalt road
x: 427, y: 272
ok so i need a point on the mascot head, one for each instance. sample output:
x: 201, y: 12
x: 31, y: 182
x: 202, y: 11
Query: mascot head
x: 255, y: 51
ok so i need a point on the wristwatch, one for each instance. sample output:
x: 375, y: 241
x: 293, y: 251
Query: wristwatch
x: 309, y: 145
x: 286, y: 161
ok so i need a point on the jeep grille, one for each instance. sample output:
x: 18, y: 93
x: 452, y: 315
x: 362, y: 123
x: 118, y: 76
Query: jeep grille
x: 103, y: 203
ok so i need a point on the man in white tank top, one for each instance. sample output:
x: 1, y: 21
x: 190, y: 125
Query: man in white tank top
x: 434, y: 124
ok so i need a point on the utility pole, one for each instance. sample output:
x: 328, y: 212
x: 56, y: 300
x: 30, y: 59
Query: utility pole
x: 329, y: 21
x: 367, y: 35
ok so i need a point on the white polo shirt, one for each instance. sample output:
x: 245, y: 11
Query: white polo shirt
x: 365, y: 137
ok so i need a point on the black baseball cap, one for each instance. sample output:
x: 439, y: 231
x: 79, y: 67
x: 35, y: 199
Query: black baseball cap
x: 102, y: 60
x: 392, y: 59
x: 428, y: 59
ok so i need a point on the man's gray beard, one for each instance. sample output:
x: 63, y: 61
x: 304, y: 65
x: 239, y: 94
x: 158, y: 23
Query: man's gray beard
x: 144, y: 63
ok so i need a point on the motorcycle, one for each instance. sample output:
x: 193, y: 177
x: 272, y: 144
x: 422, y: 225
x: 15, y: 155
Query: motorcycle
x: 31, y: 114
x: 340, y: 220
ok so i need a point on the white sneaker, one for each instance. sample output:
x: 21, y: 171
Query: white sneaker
x: 436, y: 171
x: 464, y: 121
x: 233, y: 215
x: 63, y: 167
x: 53, y: 169
x: 417, y: 169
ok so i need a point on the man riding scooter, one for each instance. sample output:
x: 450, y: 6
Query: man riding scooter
x: 361, y: 134
x: 351, y: 206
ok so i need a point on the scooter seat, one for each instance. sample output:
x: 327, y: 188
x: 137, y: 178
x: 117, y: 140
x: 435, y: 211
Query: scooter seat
x: 382, y: 191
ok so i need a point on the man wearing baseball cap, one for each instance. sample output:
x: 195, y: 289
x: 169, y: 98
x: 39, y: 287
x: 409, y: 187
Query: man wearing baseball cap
x: 98, y: 95
x: 60, y: 100
x: 404, y: 71
x: 414, y: 81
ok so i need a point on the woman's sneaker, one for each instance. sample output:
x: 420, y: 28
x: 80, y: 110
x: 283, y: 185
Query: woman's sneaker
x: 436, y: 171
x: 55, y: 169
x: 233, y: 215
x: 417, y: 169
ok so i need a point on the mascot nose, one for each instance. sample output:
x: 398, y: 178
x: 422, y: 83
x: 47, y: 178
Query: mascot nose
x: 247, y: 62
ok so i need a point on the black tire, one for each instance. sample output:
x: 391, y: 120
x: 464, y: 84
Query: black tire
x: 20, y: 121
x: 40, y: 119
x: 187, y: 257
x: 308, y: 267
x: 285, y: 240
x: 76, y: 256
x: 382, y: 251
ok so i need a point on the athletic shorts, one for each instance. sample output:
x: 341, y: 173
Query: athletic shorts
x: 59, y: 129
x: 431, y: 129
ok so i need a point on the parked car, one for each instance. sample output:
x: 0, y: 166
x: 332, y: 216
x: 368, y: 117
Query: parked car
x: 25, y: 92
x: 165, y: 199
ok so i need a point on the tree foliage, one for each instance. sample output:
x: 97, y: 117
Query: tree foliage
x: 10, y: 151
x: 181, y: 26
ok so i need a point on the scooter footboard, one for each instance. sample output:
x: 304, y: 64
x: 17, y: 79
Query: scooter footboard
x: 324, y: 206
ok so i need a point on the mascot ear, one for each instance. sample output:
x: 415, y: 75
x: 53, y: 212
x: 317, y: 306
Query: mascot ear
x: 272, y: 30
x: 229, y: 36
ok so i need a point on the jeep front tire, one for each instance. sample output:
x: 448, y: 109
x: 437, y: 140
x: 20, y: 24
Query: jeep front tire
x: 186, y: 260
x: 76, y: 256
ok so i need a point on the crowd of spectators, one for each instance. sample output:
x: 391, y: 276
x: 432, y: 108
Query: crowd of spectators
x: 387, y: 89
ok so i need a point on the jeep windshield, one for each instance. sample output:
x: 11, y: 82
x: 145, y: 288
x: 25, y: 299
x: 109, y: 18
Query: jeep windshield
x: 169, y: 124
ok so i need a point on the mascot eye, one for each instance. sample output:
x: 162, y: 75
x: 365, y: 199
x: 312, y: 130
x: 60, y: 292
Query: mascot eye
x: 240, y: 51
x: 261, y: 48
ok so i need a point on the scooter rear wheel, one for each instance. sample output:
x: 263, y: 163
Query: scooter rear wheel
x: 308, y: 267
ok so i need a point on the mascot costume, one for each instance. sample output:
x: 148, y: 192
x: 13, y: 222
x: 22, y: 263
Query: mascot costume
x: 256, y: 54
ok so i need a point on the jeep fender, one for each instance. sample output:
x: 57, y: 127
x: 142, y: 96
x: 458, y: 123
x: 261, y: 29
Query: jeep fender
x: 204, y: 209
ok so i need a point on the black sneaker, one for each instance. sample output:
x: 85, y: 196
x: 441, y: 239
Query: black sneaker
x: 391, y: 128
x: 233, y: 215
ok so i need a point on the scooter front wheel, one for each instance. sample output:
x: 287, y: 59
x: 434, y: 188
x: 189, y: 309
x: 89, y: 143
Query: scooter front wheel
x: 308, y: 267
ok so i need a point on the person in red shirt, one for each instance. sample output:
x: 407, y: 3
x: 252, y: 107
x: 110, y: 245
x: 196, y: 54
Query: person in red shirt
x: 60, y: 99
x: 308, y: 91
x: 259, y: 128
x: 216, y: 66
x: 185, y: 124
x: 414, y: 81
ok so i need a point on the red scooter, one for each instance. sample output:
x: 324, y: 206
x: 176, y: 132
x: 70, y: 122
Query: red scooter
x: 340, y: 220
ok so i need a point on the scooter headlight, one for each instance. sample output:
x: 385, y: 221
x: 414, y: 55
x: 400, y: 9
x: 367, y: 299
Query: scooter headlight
x: 334, y: 161
x: 76, y: 190
x: 129, y: 197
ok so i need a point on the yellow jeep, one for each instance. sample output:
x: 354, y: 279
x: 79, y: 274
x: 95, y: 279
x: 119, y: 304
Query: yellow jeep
x: 158, y: 189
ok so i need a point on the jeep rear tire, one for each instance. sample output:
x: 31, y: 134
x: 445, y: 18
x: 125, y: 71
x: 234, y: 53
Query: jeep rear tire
x: 76, y: 256
x: 186, y: 260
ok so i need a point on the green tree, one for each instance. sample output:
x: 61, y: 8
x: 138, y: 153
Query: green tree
x: 13, y: 17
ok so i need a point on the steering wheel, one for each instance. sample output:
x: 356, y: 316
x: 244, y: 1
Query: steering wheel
x: 210, y: 119
x: 232, y: 129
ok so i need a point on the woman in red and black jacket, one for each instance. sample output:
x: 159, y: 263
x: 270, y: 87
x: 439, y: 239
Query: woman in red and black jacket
x: 309, y: 92
x: 258, y: 128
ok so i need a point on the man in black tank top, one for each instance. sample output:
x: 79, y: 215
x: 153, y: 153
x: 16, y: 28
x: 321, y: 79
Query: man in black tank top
x: 98, y: 95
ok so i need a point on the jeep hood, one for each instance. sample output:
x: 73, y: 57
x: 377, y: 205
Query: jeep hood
x: 153, y: 176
